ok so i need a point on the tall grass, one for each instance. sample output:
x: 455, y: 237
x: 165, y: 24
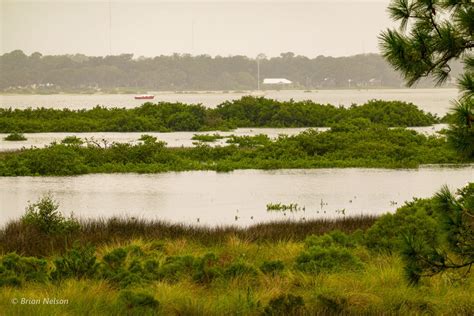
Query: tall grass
x: 29, y: 240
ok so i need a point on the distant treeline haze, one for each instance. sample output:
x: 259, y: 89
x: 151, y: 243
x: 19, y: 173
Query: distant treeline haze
x: 185, y: 72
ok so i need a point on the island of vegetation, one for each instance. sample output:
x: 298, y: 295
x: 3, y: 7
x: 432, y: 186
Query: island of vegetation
x: 246, y: 112
x: 353, y: 143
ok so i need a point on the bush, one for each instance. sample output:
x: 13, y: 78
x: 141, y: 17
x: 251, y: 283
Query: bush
x: 387, y: 234
x: 206, y: 269
x: 333, y: 238
x: 272, y: 267
x: 15, y: 137
x: 331, y: 259
x: 138, y: 301
x: 44, y: 215
x: 14, y: 270
x: 285, y: 304
x: 239, y: 269
x: 176, y: 267
x: 72, y: 140
x: 79, y: 262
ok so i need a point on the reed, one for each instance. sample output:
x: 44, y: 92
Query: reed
x: 27, y: 240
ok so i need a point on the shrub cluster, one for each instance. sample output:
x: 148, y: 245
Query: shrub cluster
x: 245, y: 112
x: 360, y: 144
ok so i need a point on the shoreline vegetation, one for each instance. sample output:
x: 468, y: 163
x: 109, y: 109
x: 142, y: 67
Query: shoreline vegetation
x: 352, y: 143
x: 349, y: 265
x: 245, y: 112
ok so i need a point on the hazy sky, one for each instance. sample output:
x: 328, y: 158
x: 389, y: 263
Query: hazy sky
x: 150, y: 28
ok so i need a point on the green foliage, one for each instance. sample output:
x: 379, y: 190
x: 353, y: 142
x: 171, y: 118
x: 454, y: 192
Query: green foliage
x: 461, y: 131
x: 15, y: 270
x: 246, y: 112
x: 138, y: 302
x: 176, y: 267
x: 72, y: 140
x: 376, y: 146
x: 334, y: 238
x: 454, y: 247
x: 317, y: 259
x: 433, y: 34
x: 207, y: 269
x: 15, y: 137
x: 285, y: 304
x: 240, y: 269
x: 79, y: 262
x: 388, y: 233
x: 44, y: 216
x: 272, y: 267
x: 207, y: 137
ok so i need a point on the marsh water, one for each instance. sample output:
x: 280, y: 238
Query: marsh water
x: 436, y: 101
x: 235, y: 198
x: 173, y: 139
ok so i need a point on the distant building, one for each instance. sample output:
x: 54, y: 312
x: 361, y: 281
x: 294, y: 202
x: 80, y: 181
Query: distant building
x: 279, y: 81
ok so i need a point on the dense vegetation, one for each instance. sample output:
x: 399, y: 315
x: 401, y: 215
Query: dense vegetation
x: 343, y: 266
x: 79, y: 73
x: 15, y: 137
x: 355, y: 143
x: 246, y: 112
x: 433, y: 35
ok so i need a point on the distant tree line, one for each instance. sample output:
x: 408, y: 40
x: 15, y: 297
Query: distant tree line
x: 59, y: 73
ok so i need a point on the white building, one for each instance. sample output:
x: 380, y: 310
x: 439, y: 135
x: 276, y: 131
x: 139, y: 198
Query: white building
x: 276, y: 81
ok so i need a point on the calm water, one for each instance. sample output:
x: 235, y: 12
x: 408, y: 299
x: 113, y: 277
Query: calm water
x: 217, y: 198
x: 431, y: 100
x: 174, y: 139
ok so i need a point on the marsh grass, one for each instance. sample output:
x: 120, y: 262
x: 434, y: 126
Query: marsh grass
x: 29, y: 240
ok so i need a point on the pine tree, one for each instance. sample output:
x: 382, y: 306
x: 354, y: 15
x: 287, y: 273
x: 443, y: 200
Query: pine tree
x: 432, y: 34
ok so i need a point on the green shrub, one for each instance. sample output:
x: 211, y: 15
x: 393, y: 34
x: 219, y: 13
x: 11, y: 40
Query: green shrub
x: 206, y: 269
x: 239, y: 269
x: 206, y: 137
x: 15, y: 137
x: 14, y: 270
x: 333, y: 238
x: 72, y: 140
x: 44, y: 215
x: 272, y: 267
x: 176, y: 267
x: 317, y: 259
x: 285, y: 304
x: 79, y: 262
x: 138, y: 301
x: 389, y: 231
x: 333, y: 303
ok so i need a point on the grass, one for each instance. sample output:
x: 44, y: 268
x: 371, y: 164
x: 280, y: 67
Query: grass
x: 137, y: 267
x: 380, y: 288
x: 27, y: 240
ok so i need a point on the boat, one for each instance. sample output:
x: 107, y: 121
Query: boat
x: 144, y: 97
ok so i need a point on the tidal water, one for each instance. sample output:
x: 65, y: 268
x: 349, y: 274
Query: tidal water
x: 173, y: 139
x: 235, y: 198
x: 436, y: 101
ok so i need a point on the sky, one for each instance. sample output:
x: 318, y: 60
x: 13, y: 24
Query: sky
x: 225, y: 27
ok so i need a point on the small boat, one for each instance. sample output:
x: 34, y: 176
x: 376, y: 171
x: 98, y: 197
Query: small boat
x: 144, y: 97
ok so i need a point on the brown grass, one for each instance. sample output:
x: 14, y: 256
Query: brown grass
x: 29, y: 241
